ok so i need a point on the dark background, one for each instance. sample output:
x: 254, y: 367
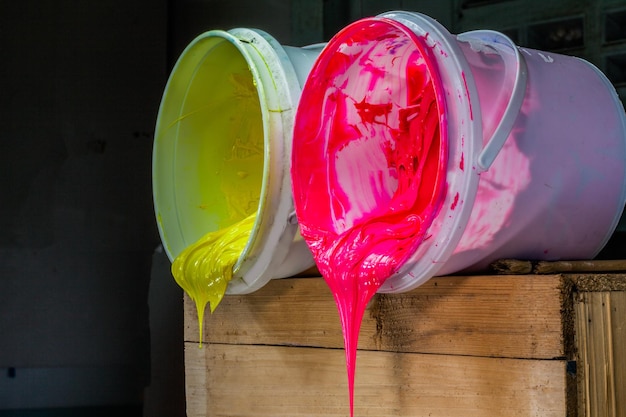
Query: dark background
x: 90, y: 318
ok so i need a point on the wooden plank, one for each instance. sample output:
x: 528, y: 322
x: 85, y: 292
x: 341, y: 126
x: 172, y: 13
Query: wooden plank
x: 496, y: 316
x: 596, y: 266
x: 196, y: 380
x: 547, y: 267
x: 601, y: 339
x: 275, y: 381
x: 598, y: 282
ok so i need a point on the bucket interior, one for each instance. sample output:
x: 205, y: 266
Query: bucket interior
x: 370, y: 150
x: 209, y: 145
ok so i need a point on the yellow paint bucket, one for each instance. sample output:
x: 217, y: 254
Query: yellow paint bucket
x: 222, y: 150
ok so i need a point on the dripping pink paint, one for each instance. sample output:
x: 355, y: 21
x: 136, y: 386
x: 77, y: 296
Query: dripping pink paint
x: 369, y: 162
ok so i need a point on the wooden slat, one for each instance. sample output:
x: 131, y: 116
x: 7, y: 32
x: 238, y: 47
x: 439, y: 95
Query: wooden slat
x: 496, y: 316
x: 196, y: 380
x: 594, y: 266
x: 277, y: 381
x: 601, y: 339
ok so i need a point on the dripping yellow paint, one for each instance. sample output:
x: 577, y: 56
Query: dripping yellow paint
x: 222, y: 118
x: 205, y: 268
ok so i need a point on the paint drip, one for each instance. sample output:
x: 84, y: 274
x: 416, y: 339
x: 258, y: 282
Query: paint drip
x: 205, y: 268
x: 230, y: 140
x: 370, y: 176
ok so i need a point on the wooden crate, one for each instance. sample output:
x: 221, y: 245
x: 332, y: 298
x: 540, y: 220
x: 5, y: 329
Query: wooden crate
x: 504, y: 345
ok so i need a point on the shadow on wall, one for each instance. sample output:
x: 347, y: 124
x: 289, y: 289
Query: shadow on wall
x: 117, y: 411
x: 81, y: 86
x: 165, y: 396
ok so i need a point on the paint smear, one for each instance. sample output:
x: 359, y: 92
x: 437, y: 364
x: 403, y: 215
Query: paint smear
x: 369, y: 162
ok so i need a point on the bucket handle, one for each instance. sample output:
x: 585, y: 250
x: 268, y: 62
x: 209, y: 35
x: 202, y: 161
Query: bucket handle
x: 501, y: 133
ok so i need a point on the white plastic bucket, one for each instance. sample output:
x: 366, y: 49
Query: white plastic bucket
x: 536, y: 157
x: 222, y: 148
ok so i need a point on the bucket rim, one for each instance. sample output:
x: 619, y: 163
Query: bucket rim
x: 465, y: 144
x: 465, y: 140
x: 265, y: 60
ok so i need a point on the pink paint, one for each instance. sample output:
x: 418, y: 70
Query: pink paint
x: 369, y: 162
x: 467, y: 92
x: 455, y: 202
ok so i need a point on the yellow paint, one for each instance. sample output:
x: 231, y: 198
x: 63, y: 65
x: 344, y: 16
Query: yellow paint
x: 220, y: 146
x: 205, y: 268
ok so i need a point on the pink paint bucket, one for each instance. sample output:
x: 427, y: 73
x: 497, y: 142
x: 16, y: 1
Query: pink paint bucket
x: 529, y: 158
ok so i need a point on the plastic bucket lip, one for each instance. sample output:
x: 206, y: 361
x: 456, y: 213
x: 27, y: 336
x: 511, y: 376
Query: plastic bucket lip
x: 278, y: 91
x: 465, y: 143
x: 481, y: 151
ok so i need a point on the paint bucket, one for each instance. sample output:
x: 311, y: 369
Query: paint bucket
x: 222, y: 149
x: 533, y: 150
